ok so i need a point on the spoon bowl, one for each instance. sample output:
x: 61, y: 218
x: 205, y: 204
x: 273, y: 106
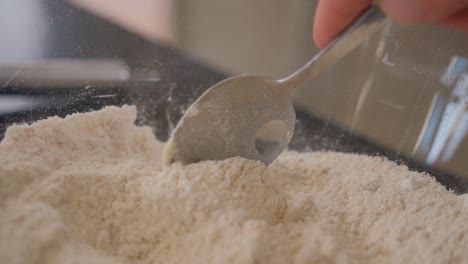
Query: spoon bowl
x: 247, y: 116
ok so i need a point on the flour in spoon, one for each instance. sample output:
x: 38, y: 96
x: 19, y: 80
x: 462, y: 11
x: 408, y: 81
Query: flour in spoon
x: 90, y: 188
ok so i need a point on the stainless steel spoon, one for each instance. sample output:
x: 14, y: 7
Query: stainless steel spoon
x: 252, y: 116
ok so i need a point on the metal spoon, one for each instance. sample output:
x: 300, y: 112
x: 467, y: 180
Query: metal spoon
x: 252, y: 116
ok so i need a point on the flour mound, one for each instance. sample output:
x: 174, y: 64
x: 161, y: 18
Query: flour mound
x: 90, y: 188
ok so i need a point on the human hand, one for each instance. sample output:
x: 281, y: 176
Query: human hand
x: 332, y: 16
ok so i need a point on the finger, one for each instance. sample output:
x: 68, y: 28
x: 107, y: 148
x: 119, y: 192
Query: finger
x: 332, y: 17
x: 458, y: 21
x: 419, y: 11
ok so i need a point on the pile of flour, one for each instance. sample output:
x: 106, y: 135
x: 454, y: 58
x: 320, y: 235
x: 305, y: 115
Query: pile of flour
x: 90, y: 188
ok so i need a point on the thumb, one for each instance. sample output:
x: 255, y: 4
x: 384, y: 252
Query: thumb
x: 419, y: 11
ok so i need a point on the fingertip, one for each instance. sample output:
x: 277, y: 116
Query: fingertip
x: 326, y: 24
x: 318, y: 33
x: 318, y: 38
x: 332, y: 17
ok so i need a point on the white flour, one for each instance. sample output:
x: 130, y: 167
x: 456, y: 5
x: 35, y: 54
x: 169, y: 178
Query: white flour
x: 90, y: 189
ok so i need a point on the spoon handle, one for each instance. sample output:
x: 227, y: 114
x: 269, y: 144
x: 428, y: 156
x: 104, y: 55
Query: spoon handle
x: 369, y: 22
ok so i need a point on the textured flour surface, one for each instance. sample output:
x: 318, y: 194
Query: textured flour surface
x: 90, y: 189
